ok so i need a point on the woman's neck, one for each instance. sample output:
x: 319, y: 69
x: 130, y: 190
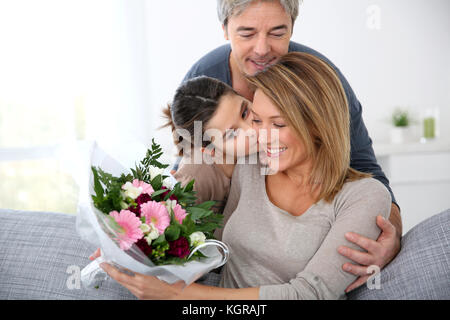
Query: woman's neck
x: 299, y: 177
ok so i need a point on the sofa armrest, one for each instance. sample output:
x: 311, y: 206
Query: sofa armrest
x: 421, y: 271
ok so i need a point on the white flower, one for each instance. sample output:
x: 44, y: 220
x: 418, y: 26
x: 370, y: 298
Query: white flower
x: 197, y: 238
x: 145, y: 228
x: 154, y: 171
x: 170, y: 204
x: 131, y: 191
x: 149, y: 240
x: 124, y: 205
x: 167, y: 183
x: 154, y: 233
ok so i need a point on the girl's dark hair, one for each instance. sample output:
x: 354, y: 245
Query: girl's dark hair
x: 196, y: 99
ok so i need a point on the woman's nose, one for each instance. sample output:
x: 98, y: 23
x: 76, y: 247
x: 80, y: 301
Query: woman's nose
x: 268, y: 136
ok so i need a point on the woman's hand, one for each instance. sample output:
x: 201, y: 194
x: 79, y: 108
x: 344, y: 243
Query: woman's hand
x: 379, y: 252
x: 142, y: 286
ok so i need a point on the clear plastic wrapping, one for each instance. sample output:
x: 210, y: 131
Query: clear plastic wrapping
x: 93, y: 227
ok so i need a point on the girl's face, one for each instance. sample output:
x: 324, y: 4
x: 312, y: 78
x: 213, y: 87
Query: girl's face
x: 283, y: 148
x: 230, y: 128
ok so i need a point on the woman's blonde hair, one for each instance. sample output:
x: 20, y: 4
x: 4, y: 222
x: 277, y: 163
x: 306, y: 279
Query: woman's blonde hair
x: 311, y: 98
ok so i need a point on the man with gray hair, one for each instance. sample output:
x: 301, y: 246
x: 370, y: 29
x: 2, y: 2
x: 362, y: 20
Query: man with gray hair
x: 259, y: 32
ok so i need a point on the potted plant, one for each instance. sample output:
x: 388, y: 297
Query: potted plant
x: 401, y: 121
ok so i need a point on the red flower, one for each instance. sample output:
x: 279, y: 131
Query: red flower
x: 143, y: 245
x: 143, y: 198
x: 136, y: 210
x: 179, y: 248
x: 172, y: 197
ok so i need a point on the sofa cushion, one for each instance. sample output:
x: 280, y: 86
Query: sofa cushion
x: 421, y: 271
x: 41, y: 256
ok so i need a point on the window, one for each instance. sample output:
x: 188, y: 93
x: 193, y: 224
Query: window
x: 68, y: 73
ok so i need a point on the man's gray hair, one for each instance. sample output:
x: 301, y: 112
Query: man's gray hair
x: 228, y: 8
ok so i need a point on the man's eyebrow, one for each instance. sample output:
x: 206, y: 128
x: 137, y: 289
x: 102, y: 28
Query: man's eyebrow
x: 282, y: 26
x: 245, y: 29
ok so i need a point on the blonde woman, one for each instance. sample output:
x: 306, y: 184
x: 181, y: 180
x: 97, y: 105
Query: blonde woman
x: 284, y: 229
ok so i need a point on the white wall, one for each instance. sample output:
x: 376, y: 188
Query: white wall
x: 405, y: 62
x: 179, y: 33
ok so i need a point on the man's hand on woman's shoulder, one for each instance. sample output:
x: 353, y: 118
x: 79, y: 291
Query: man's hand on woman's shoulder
x: 378, y: 253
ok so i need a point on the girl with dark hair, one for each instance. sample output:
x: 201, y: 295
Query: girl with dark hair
x: 224, y: 120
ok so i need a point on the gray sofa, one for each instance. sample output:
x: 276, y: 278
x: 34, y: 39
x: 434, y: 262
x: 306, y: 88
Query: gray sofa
x: 41, y: 256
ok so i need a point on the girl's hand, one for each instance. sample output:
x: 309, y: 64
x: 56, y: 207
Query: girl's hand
x: 142, y: 286
x: 95, y: 255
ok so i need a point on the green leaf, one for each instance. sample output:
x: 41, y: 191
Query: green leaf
x: 190, y: 186
x: 169, y: 194
x: 172, y: 232
x: 157, y: 193
x: 159, y: 241
x: 197, y: 213
x: 208, y: 227
x: 157, y: 182
x: 206, y: 205
x: 115, y: 195
x: 97, y: 185
x: 188, y: 226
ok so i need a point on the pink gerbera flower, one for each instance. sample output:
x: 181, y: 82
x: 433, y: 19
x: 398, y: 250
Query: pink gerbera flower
x: 131, y: 228
x: 179, y: 213
x: 156, y: 213
x: 146, y: 188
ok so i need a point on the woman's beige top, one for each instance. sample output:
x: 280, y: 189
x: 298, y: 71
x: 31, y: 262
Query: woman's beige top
x: 291, y: 257
x: 287, y: 257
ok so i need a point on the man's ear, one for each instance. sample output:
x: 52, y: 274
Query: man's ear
x: 225, y: 32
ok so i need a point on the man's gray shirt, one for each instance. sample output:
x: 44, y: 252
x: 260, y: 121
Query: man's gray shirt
x: 215, y: 64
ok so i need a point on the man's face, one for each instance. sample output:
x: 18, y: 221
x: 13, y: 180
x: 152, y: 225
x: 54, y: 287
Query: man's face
x: 259, y: 36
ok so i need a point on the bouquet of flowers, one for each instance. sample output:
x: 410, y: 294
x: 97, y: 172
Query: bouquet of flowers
x: 144, y: 223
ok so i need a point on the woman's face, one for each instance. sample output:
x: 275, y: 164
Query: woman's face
x: 231, y: 127
x: 283, y: 148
